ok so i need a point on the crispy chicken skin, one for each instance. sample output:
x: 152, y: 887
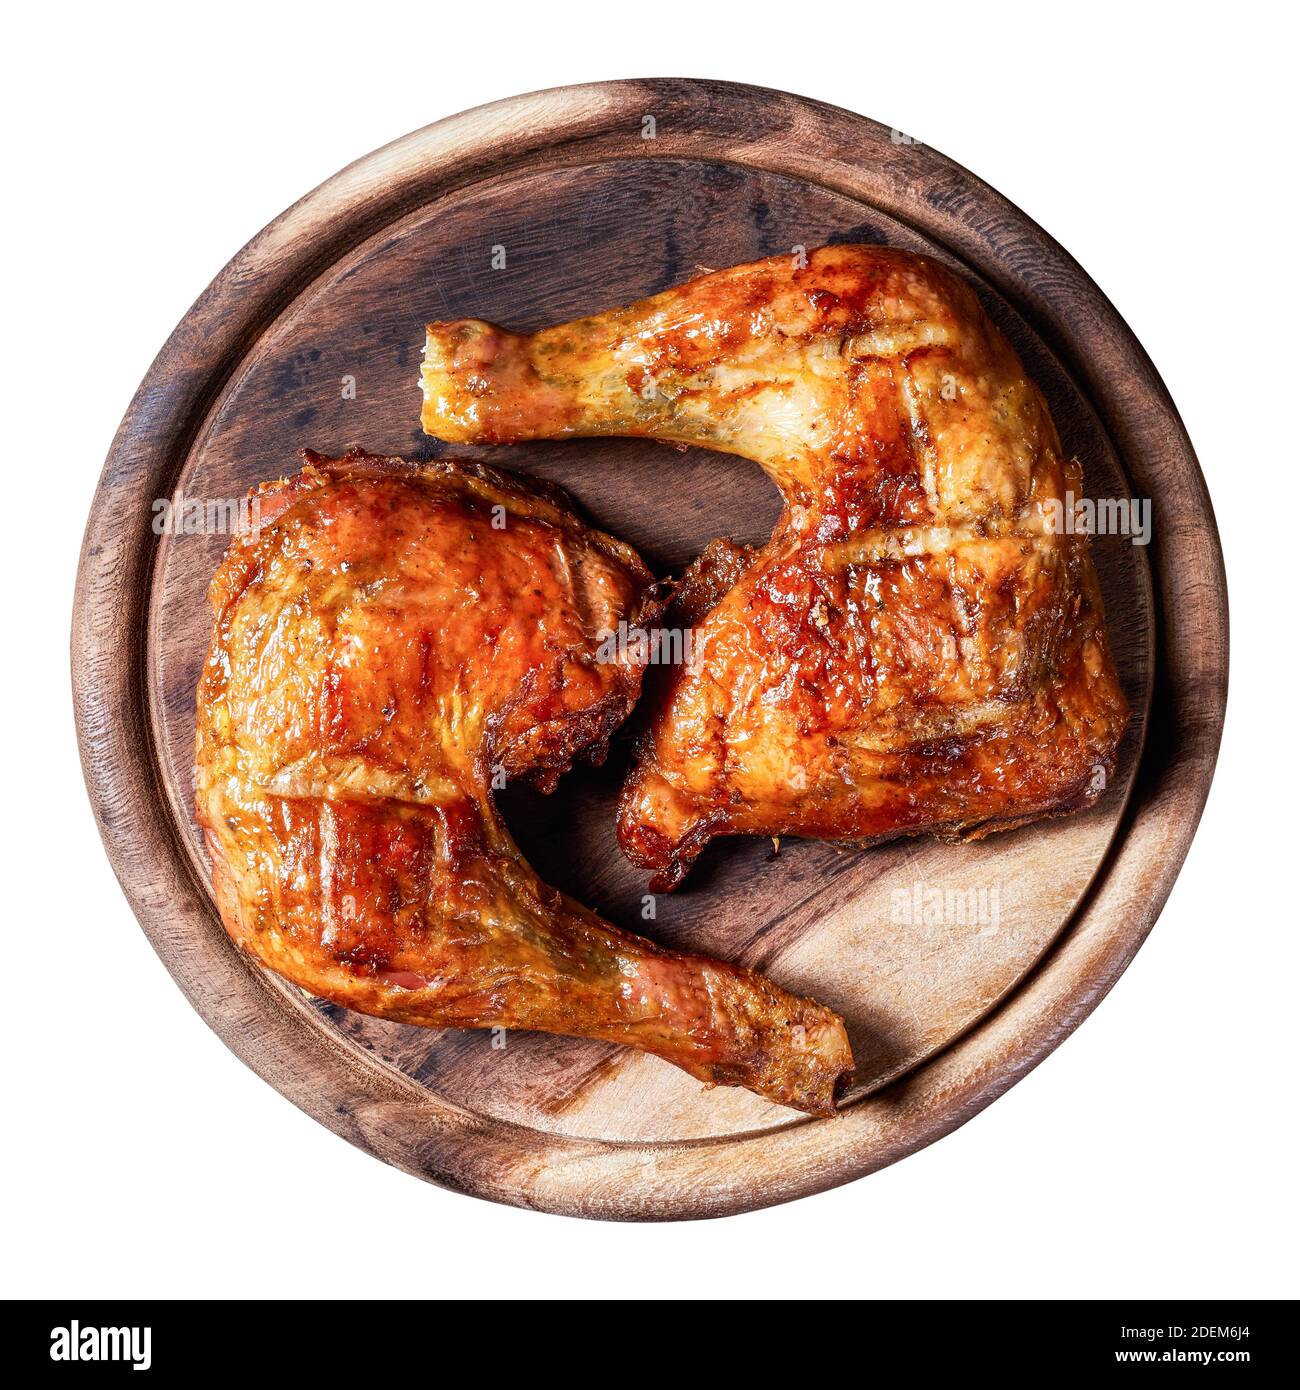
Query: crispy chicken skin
x: 920, y: 645
x: 389, y: 641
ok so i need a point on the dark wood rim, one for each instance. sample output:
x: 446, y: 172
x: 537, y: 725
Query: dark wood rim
x: 390, y: 1115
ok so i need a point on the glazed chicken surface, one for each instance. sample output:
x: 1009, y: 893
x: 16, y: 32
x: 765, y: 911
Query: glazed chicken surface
x: 390, y: 643
x: 920, y: 645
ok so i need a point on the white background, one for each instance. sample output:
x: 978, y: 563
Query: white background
x: 1153, y: 1154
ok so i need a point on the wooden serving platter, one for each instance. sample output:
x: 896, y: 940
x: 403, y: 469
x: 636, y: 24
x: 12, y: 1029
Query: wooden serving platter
x: 531, y: 211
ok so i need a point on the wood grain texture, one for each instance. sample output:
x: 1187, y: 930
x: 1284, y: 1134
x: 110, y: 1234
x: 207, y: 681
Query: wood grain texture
x: 590, y: 214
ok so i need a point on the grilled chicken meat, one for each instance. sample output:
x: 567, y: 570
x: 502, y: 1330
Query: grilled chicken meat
x: 392, y: 641
x: 920, y: 645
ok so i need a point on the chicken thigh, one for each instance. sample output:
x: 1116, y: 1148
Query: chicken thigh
x: 920, y: 646
x: 390, y: 643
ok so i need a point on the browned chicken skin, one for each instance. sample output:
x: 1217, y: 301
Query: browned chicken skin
x: 392, y: 640
x: 920, y: 645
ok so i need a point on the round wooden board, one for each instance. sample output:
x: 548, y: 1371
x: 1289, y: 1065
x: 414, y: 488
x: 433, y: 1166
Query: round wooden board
x: 312, y: 336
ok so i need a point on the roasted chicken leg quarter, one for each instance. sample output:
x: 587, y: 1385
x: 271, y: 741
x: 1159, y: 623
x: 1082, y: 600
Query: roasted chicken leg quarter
x: 392, y: 640
x: 920, y: 645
